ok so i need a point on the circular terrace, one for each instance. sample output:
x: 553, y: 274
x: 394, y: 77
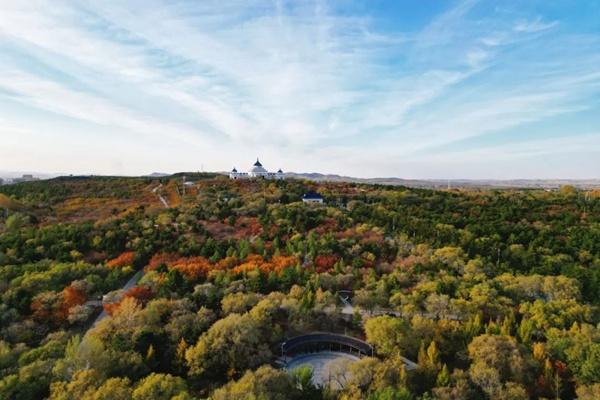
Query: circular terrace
x: 323, y: 341
x: 325, y: 353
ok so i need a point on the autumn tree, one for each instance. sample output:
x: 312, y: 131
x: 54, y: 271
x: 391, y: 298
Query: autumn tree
x: 264, y: 383
x: 497, y: 365
x: 126, y: 259
x: 230, y: 346
x: 238, y: 302
x: 160, y: 387
x: 387, y: 334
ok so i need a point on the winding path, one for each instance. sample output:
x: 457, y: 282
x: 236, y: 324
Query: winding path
x: 128, y: 285
x: 160, y: 196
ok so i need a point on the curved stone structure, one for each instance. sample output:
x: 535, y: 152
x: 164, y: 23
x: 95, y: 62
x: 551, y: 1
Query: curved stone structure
x: 324, y: 341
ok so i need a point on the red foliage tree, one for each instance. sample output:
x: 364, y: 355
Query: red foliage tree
x: 162, y: 259
x: 72, y: 297
x: 140, y: 293
x: 325, y: 262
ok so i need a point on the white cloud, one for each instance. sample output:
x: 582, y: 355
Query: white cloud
x: 291, y: 81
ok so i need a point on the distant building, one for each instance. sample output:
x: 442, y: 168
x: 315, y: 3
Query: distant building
x: 25, y: 178
x: 1, y: 181
x: 257, y: 171
x: 312, y: 197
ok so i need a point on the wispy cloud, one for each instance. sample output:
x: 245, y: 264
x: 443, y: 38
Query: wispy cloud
x: 50, y: 96
x: 535, y: 25
x: 290, y: 80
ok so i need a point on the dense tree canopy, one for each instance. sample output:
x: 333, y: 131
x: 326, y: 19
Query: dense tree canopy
x: 493, y: 293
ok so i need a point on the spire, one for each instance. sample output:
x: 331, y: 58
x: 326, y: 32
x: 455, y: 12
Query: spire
x: 257, y: 163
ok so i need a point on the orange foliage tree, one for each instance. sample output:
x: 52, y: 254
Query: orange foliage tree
x: 251, y: 263
x: 55, y: 305
x: 257, y: 262
x: 124, y: 260
x: 196, y: 268
x: 282, y: 262
x: 141, y: 294
x: 193, y: 268
x: 71, y: 297
x: 227, y: 263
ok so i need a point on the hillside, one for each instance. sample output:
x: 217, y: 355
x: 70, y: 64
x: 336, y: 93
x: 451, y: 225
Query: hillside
x: 9, y: 203
x: 460, y: 292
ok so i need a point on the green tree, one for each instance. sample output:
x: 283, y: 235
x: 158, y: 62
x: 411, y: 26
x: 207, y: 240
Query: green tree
x: 264, y: 383
x: 238, y: 302
x: 387, y: 334
x: 230, y: 346
x: 82, y: 385
x: 302, y: 380
x: 113, y: 389
x: 443, y: 377
x: 15, y: 221
x: 159, y: 387
x: 391, y: 394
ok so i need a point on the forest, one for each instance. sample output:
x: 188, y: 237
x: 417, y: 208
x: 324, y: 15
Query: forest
x: 105, y: 293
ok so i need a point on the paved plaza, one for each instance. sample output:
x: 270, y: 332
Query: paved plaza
x: 326, y: 365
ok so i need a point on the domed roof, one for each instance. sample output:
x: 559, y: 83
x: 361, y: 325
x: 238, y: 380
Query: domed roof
x: 234, y: 170
x: 258, y: 169
x: 279, y: 171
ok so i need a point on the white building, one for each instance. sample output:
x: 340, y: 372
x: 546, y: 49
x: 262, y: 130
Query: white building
x: 257, y: 171
x: 312, y: 198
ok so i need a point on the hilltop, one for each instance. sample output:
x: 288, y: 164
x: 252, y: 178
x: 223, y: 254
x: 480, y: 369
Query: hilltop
x: 548, y: 184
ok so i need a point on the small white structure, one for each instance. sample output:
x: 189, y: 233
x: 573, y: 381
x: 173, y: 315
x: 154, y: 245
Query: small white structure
x: 257, y: 171
x: 312, y: 198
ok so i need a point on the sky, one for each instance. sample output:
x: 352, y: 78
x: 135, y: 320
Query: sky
x: 412, y: 89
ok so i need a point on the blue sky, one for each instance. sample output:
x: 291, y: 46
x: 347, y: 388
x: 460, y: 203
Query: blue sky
x: 413, y: 89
